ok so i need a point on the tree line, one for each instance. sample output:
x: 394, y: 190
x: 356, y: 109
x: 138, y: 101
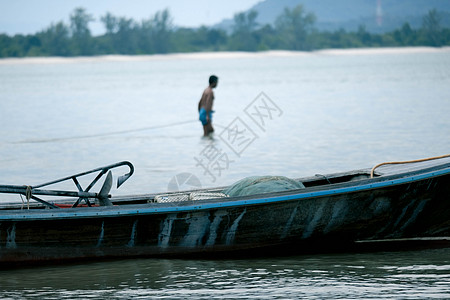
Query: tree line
x: 293, y: 30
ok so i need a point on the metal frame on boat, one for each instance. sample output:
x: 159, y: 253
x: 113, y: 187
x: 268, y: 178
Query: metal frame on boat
x: 409, y: 201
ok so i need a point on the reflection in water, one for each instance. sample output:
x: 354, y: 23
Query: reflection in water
x: 412, y: 275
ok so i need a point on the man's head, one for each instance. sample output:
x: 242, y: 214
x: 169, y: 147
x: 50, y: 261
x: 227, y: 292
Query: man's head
x: 213, y: 80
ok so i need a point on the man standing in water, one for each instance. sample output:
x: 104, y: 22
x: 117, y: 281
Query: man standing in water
x: 205, y: 106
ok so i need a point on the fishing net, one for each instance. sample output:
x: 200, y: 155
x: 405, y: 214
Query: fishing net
x: 262, y: 184
x: 177, y: 197
x: 247, y: 186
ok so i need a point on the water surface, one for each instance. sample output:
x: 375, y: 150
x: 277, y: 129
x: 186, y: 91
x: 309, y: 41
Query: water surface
x: 338, y: 111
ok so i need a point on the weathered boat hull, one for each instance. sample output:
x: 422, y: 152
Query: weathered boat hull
x: 408, y: 205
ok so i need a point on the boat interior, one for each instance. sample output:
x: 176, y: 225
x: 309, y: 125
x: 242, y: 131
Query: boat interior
x: 25, y: 195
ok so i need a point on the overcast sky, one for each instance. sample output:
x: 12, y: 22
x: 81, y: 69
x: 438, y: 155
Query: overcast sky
x: 31, y: 16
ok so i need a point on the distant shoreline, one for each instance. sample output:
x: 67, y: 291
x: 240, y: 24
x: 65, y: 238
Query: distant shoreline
x: 221, y: 55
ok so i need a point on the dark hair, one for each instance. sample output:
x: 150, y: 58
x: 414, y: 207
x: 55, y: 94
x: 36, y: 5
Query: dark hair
x: 213, y: 78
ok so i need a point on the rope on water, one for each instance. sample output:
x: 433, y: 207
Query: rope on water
x: 108, y: 133
x: 406, y: 162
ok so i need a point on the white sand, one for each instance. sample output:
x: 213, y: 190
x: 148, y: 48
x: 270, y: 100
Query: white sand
x: 221, y: 55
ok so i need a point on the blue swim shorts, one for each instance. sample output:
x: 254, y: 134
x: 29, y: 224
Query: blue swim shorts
x: 202, y: 117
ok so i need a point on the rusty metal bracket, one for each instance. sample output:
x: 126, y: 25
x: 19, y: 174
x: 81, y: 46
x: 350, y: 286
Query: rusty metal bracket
x: 82, y: 194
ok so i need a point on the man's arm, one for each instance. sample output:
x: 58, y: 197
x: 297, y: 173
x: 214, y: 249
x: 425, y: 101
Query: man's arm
x: 208, y: 101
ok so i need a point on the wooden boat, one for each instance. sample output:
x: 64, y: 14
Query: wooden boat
x: 401, y: 201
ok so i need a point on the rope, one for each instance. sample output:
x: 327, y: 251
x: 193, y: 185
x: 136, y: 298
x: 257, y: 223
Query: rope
x: 107, y: 133
x: 28, y: 194
x: 112, y: 133
x: 406, y: 162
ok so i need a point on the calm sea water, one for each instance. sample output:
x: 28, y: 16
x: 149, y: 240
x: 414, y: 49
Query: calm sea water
x: 325, y: 112
x: 384, y: 275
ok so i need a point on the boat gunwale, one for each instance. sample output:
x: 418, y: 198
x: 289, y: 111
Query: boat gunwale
x: 207, y: 204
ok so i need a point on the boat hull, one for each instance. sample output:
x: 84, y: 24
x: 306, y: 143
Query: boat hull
x: 404, y: 207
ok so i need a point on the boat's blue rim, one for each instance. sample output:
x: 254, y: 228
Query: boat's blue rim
x: 111, y: 212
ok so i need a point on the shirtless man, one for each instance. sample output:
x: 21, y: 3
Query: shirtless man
x: 205, y: 106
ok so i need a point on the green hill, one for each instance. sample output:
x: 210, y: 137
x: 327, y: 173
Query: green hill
x: 377, y: 16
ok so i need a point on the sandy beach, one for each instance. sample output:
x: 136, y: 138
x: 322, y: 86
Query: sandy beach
x: 221, y: 55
